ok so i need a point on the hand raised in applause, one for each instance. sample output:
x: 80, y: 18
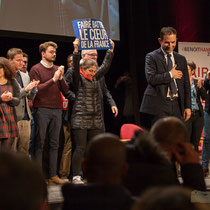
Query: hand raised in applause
x: 33, y: 84
x: 61, y: 69
x: 6, y: 96
x: 56, y: 76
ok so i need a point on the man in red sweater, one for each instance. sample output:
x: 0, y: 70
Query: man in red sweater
x: 47, y: 106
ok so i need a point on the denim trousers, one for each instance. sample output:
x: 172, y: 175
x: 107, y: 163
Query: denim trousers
x: 206, y: 141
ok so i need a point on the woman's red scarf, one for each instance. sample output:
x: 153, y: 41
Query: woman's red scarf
x: 85, y: 76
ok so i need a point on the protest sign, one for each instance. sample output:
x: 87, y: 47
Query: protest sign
x: 92, y: 34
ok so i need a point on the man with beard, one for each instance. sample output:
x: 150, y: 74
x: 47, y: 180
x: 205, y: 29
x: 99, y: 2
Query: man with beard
x: 47, y: 106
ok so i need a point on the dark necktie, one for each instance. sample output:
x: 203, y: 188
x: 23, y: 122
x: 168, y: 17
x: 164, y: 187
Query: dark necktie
x: 19, y: 78
x: 172, y: 85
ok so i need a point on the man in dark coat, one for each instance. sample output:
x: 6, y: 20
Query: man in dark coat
x: 168, y: 90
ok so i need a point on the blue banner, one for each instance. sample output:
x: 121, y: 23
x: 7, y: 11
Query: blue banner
x: 92, y: 34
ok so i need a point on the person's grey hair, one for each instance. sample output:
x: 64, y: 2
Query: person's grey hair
x: 85, y: 51
x: 85, y: 64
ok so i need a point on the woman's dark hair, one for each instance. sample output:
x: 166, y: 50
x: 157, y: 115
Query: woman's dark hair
x: 192, y: 65
x: 9, y: 70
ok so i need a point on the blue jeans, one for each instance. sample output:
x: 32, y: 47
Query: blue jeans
x: 206, y: 141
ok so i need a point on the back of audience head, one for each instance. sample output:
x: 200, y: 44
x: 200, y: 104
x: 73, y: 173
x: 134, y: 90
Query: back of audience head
x: 170, y: 198
x: 149, y: 149
x: 22, y: 185
x: 105, y: 160
x: 168, y: 132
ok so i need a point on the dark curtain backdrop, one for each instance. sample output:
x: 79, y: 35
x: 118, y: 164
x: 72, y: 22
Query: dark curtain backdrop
x: 140, y: 23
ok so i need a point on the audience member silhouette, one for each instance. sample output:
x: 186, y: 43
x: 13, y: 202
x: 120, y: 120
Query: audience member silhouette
x: 22, y: 183
x: 148, y: 164
x: 171, y: 134
x: 103, y: 167
x: 170, y: 198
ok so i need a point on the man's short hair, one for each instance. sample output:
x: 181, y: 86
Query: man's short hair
x: 43, y: 47
x: 167, y: 31
x: 106, y: 156
x: 169, y: 131
x: 70, y: 55
x: 192, y: 65
x: 12, y: 52
x: 25, y: 55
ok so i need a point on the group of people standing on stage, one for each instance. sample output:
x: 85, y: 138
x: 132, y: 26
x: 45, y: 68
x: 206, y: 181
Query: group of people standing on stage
x: 46, y: 84
x: 171, y: 91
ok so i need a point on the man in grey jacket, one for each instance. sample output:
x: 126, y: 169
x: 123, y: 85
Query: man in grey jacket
x: 22, y: 111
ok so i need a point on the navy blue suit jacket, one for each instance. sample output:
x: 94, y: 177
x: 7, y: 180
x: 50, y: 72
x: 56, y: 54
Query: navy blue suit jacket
x: 158, y: 79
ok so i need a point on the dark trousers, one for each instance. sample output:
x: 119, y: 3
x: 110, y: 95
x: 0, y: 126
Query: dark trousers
x: 80, y: 138
x: 194, y: 128
x: 47, y: 124
x: 169, y: 108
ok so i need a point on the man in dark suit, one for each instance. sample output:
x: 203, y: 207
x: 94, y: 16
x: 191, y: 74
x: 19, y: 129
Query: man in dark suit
x: 168, y: 90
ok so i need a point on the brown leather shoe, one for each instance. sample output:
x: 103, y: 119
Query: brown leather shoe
x: 57, y: 180
x: 205, y: 172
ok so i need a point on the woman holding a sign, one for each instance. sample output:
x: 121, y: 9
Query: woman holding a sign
x: 87, y: 112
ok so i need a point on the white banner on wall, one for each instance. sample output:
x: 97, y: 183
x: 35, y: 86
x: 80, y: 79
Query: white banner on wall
x: 199, y: 53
